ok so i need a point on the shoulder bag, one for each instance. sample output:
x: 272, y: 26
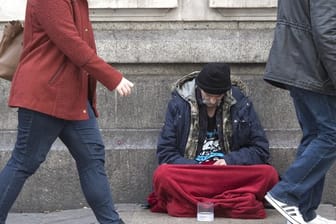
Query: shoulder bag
x: 10, y: 49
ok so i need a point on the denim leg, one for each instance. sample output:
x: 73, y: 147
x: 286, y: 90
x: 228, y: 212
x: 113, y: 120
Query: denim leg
x: 36, y: 133
x: 314, y: 195
x: 85, y: 143
x: 302, y: 184
x: 313, y: 199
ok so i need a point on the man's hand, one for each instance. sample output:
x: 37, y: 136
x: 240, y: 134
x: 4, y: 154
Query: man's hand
x: 220, y: 162
x: 124, y: 87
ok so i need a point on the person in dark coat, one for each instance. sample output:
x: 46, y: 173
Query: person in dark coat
x: 302, y: 60
x: 212, y: 147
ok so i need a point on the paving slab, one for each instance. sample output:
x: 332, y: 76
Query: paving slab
x: 136, y: 214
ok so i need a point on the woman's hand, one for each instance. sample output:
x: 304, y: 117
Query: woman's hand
x: 124, y: 87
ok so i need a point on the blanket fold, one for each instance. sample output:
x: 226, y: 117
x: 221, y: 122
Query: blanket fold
x: 236, y: 191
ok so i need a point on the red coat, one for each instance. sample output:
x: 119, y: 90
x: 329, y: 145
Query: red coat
x: 59, y: 66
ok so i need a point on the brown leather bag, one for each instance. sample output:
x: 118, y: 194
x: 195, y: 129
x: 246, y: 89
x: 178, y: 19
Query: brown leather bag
x: 10, y: 49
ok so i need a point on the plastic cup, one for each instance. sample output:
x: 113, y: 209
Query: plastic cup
x: 205, y: 211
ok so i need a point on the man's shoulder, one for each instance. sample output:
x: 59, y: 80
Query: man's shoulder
x: 176, y: 99
x: 237, y: 93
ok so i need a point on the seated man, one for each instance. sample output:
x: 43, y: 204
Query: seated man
x: 212, y: 147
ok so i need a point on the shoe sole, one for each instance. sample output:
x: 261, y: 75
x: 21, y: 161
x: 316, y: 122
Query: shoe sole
x: 280, y: 210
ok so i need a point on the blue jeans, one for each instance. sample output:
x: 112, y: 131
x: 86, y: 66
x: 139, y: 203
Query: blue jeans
x: 36, y: 133
x: 302, y: 183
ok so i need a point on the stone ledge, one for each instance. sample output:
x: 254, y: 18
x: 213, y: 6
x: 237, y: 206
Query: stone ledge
x: 143, y: 139
x: 245, y: 10
x: 122, y: 4
x: 185, y: 46
x: 243, y: 4
x: 129, y: 14
x: 247, y: 14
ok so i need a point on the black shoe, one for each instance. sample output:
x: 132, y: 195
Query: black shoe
x: 121, y: 221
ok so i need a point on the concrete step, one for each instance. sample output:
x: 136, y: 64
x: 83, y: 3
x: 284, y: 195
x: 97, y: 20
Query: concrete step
x: 135, y: 214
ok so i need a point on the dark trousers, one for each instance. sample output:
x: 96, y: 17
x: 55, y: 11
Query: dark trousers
x: 36, y: 133
x: 302, y: 184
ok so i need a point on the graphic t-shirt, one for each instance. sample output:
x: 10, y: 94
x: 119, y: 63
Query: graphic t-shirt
x: 211, y: 149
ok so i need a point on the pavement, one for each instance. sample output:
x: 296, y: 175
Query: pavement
x: 136, y: 214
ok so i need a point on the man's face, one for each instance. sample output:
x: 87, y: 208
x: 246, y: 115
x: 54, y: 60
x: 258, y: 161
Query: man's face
x: 211, y: 100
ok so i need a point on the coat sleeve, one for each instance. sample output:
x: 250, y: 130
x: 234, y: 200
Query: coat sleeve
x: 251, y: 144
x: 168, y: 150
x: 323, y: 22
x: 56, y: 19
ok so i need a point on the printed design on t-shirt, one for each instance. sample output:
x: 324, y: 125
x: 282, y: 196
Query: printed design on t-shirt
x: 211, y: 149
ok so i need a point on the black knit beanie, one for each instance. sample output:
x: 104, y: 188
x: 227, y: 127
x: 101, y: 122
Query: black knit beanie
x: 214, y: 78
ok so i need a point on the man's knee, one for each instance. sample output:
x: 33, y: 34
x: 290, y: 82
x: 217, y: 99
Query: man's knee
x: 162, y: 172
x: 26, y: 167
x: 269, y: 173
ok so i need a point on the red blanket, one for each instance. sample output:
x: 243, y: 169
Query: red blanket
x: 236, y: 191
